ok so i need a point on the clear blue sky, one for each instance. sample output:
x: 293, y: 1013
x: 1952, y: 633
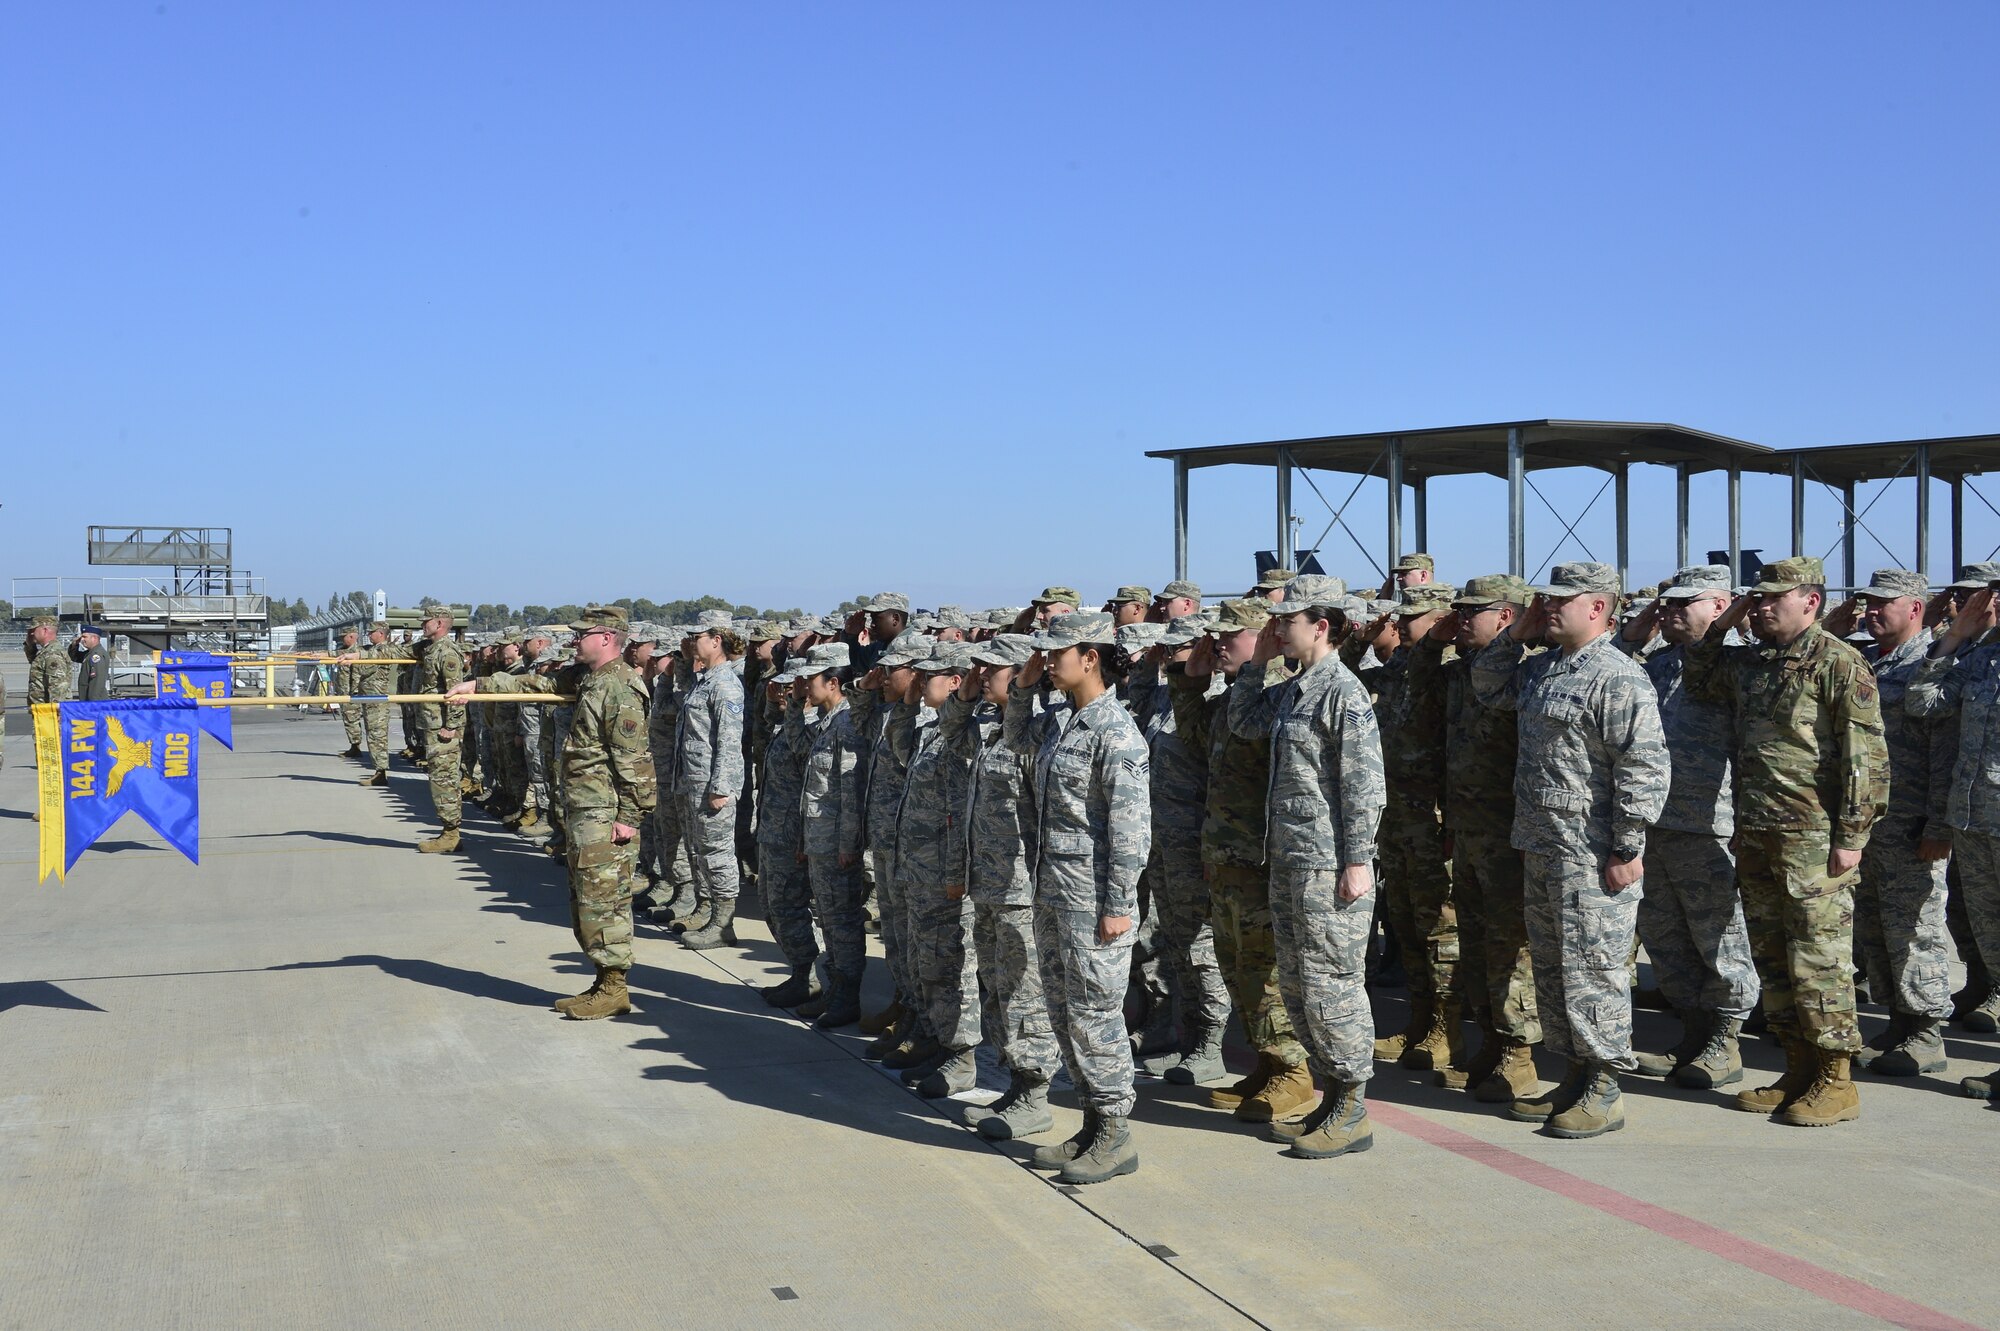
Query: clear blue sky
x: 534, y: 302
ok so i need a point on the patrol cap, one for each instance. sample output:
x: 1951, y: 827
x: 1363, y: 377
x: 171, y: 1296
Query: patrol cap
x: 826, y: 656
x: 597, y: 617
x: 376, y: 627
x: 1888, y: 584
x: 1492, y: 589
x: 1697, y: 580
x: 1134, y: 595
x: 443, y: 612
x: 1235, y: 616
x: 1184, y: 630
x: 1412, y: 562
x: 1379, y: 608
x: 1179, y: 587
x: 708, y: 621
x: 1423, y: 599
x: 1974, y: 576
x: 641, y: 632
x: 1310, y: 591
x: 763, y: 630
x: 1060, y: 596
x: 1004, y: 649
x: 1133, y: 639
x: 951, y: 617
x: 1567, y: 580
x: 950, y: 658
x: 44, y: 622
x: 908, y: 648
x: 1783, y: 576
x: 888, y: 601
x: 1275, y: 579
x: 1085, y: 628
x: 512, y: 635
x: 536, y: 632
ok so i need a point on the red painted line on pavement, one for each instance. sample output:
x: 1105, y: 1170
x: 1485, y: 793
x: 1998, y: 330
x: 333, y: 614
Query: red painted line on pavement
x: 1794, y: 1271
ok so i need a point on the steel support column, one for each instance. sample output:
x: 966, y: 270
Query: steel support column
x: 1735, y: 525
x: 1622, y: 495
x: 1957, y: 526
x: 1283, y: 545
x: 1680, y: 515
x: 1180, y: 518
x: 1924, y: 511
x: 1517, y: 508
x: 1395, y: 474
x: 1420, y: 505
x: 1847, y: 536
x: 1798, y: 506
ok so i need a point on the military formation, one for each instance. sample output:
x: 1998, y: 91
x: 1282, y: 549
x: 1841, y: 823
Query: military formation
x: 1086, y: 836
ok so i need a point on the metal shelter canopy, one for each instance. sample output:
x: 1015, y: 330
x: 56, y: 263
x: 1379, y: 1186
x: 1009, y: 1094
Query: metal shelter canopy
x: 1509, y: 449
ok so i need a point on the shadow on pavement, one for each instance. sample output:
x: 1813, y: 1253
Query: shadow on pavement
x: 474, y: 984
x: 40, y: 993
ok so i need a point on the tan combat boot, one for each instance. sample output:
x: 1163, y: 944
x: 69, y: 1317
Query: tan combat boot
x: 530, y: 820
x: 1442, y: 1042
x: 446, y: 840
x: 1597, y: 1109
x: 607, y: 1000
x: 1464, y: 1075
x: 563, y: 1005
x: 375, y: 779
x: 1513, y: 1076
x: 1286, y: 1092
x: 1542, y: 1108
x: 1830, y: 1098
x: 1389, y: 1048
x: 1233, y: 1095
x: 1339, y: 1126
x: 1800, y: 1068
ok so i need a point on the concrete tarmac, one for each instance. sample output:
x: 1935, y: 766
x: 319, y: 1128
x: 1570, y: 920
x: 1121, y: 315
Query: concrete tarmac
x: 316, y: 1082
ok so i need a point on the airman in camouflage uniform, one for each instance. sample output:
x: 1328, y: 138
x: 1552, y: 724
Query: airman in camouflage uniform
x: 378, y: 679
x: 1416, y: 879
x: 1232, y: 851
x: 1327, y: 792
x: 1961, y: 678
x: 609, y: 786
x: 1592, y: 775
x: 443, y: 726
x: 673, y: 897
x: 1899, y: 901
x: 1093, y: 823
x: 343, y: 683
x: 1812, y: 779
x: 48, y: 668
x: 535, y: 797
x: 785, y: 883
x: 885, y: 723
x: 994, y: 843
x: 708, y: 774
x: 832, y: 817
x: 944, y: 967
x: 1489, y: 898
x: 1691, y: 918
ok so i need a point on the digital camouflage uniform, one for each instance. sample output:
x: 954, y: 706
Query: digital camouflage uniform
x: 994, y: 843
x: 785, y: 883
x: 442, y: 668
x: 1093, y: 822
x: 607, y: 779
x: 666, y: 846
x: 1496, y: 973
x: 1812, y: 777
x: 1899, y: 901
x: 1232, y: 850
x: 708, y: 761
x: 831, y: 818
x: 1183, y: 934
x: 943, y: 964
x: 1691, y: 918
x: 886, y: 730
x: 1592, y: 775
x: 1326, y: 795
x: 1967, y: 687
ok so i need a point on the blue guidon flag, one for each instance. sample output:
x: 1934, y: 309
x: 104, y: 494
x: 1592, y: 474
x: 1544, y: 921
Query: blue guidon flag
x: 99, y: 760
x: 191, y: 675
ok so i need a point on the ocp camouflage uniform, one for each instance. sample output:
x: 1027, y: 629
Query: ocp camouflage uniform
x: 1093, y: 822
x: 1812, y: 777
x: 534, y: 763
x: 350, y: 713
x: 993, y: 843
x: 1326, y: 796
x: 1232, y: 849
x: 48, y: 676
x: 1691, y: 918
x: 668, y: 849
x: 1592, y: 775
x: 1184, y: 936
x: 1416, y: 880
x: 1968, y: 687
x: 1489, y: 892
x: 786, y: 884
x: 708, y: 762
x: 374, y: 676
x: 831, y: 816
x: 944, y: 967
x: 442, y: 668
x: 608, y: 779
